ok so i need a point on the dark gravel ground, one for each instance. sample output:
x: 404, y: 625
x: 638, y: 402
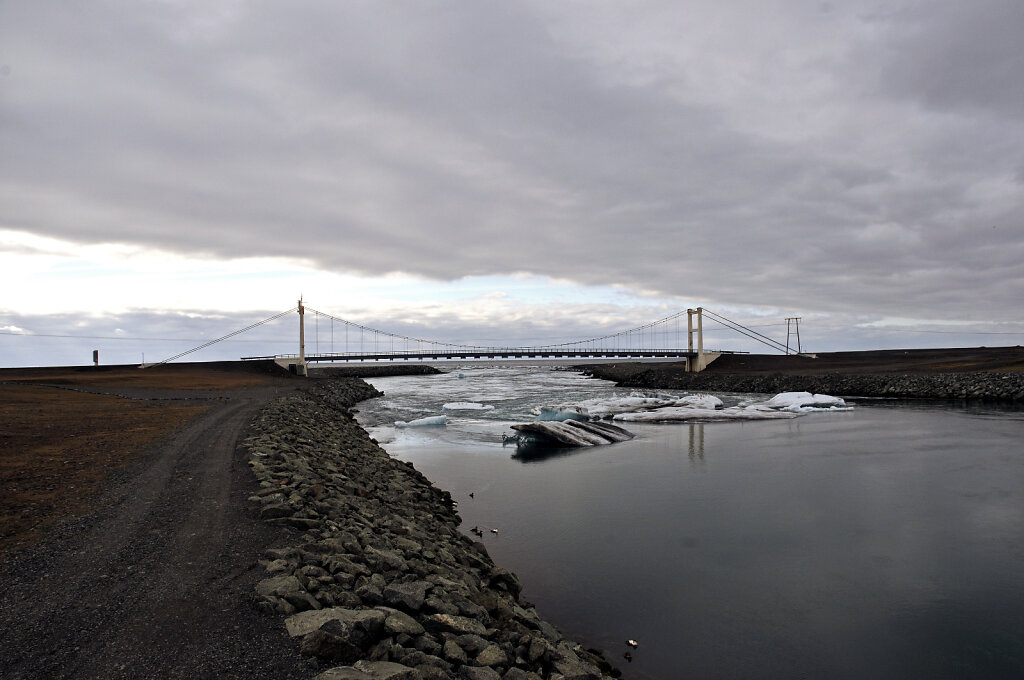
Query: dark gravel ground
x: 159, y: 581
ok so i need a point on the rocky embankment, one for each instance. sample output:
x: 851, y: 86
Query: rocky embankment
x: 975, y: 385
x: 380, y: 582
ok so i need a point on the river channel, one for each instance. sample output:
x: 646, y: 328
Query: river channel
x: 880, y: 541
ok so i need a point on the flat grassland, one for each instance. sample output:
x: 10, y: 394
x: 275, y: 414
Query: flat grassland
x: 64, y: 430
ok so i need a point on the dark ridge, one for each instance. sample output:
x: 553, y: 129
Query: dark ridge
x: 995, y: 374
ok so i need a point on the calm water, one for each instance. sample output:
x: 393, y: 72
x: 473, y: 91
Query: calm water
x: 882, y: 542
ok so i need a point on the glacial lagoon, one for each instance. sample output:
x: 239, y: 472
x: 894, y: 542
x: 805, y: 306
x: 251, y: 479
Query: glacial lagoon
x: 882, y: 540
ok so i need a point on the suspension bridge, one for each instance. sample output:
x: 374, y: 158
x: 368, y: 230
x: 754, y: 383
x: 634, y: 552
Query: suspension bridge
x: 665, y: 339
x: 659, y: 340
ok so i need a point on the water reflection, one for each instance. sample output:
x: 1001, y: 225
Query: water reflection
x: 697, y: 446
x: 533, y: 451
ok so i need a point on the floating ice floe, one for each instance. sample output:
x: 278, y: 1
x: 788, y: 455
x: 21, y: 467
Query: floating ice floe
x: 429, y: 421
x: 692, y: 414
x: 561, y: 413
x: 571, y: 433
x: 663, y: 408
x: 607, y: 407
x: 466, y: 406
x: 805, y: 402
x: 704, y: 401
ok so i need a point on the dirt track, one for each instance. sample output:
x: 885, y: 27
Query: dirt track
x: 156, y: 580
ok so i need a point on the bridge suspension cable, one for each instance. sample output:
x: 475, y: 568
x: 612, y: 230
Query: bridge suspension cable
x: 747, y: 331
x: 627, y: 334
x: 394, y: 336
x: 643, y: 337
x: 223, y: 337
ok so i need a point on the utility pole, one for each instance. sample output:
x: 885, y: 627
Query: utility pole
x: 796, y: 323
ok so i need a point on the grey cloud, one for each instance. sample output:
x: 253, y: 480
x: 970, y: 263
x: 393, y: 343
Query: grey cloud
x: 451, y: 139
x: 959, y: 55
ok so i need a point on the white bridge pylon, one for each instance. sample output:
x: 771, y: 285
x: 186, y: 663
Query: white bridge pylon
x: 658, y: 340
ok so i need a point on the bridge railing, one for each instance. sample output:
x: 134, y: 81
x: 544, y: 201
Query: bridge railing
x: 492, y: 353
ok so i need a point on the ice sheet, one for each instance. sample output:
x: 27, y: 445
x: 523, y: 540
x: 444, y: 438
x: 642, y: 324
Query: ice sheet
x: 561, y: 413
x: 671, y: 414
x: 466, y: 406
x: 429, y: 421
x: 805, y: 402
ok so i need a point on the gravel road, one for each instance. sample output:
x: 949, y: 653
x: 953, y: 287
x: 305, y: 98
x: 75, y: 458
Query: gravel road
x: 159, y: 581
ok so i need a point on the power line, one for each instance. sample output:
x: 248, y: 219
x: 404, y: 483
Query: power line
x: 911, y: 330
x: 739, y: 328
x: 118, y: 337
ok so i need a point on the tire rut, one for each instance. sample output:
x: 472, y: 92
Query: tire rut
x: 160, y: 583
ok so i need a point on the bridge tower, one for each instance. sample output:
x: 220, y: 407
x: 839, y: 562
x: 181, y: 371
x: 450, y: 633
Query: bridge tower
x: 300, y: 367
x: 701, y: 361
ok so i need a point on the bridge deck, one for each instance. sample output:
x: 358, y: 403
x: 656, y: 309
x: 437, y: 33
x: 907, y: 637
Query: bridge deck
x: 484, y: 354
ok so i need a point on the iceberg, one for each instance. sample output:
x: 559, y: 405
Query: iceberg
x: 571, y: 433
x: 604, y: 407
x: 805, y: 402
x: 705, y: 401
x: 690, y: 414
x: 429, y: 421
x: 704, y: 408
x: 466, y: 406
x: 562, y: 413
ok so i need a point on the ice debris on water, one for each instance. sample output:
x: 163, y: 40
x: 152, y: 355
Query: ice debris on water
x: 665, y: 408
x: 429, y: 421
x: 466, y: 406
x: 692, y: 414
x: 561, y: 413
x: 805, y: 402
x: 569, y: 433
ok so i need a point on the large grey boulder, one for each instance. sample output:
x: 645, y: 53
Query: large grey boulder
x: 369, y: 620
x: 492, y: 655
x: 399, y: 623
x: 325, y: 645
x: 459, y: 625
x: 478, y: 673
x: 279, y: 586
x: 408, y: 596
x: 370, y: 670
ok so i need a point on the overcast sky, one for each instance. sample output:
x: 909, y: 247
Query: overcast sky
x: 516, y: 171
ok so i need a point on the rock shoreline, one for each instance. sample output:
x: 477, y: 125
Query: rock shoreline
x: 1004, y: 386
x: 380, y: 583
